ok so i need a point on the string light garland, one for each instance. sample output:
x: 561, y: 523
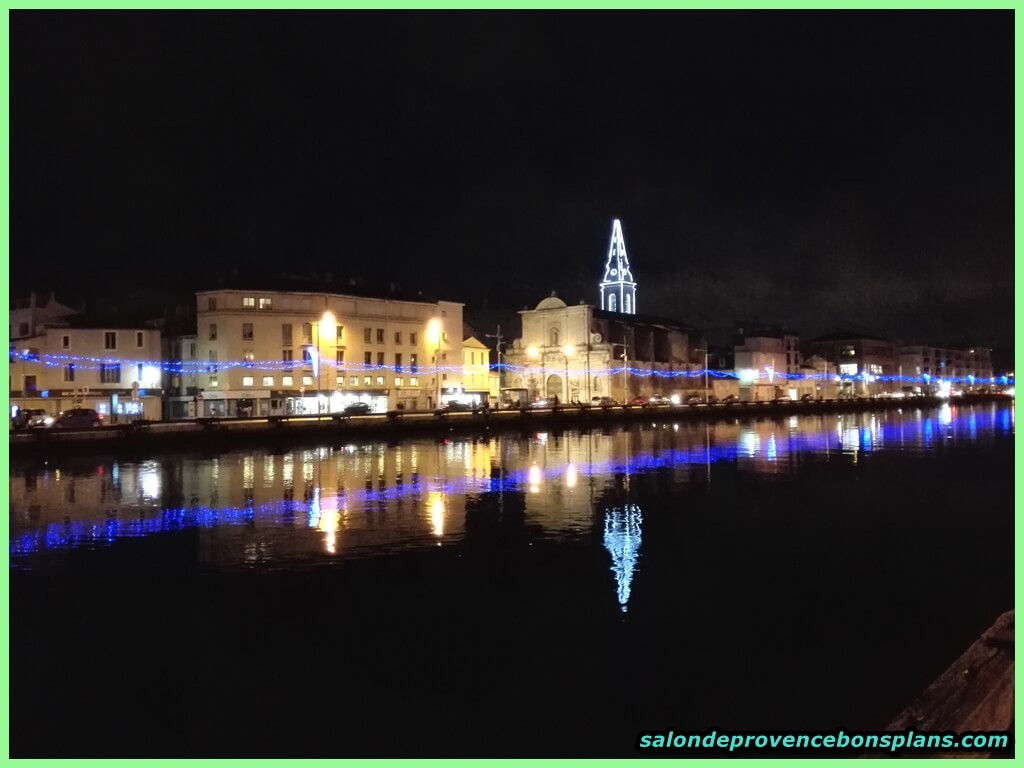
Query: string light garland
x: 201, y: 367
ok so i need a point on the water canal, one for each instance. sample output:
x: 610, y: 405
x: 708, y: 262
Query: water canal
x: 526, y: 595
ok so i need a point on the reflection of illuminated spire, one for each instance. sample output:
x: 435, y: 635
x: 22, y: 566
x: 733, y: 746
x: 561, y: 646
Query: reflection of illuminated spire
x: 622, y: 540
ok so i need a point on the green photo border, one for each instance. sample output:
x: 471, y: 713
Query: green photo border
x: 409, y: 4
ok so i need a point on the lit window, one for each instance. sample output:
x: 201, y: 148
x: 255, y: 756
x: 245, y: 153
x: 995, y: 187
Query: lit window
x: 247, y: 381
x: 367, y: 380
x: 380, y: 381
x: 265, y: 303
x: 268, y: 381
x: 286, y: 381
x: 307, y: 381
x: 213, y: 381
x: 414, y: 381
x: 398, y: 381
x: 110, y: 340
x: 249, y: 302
x: 248, y: 356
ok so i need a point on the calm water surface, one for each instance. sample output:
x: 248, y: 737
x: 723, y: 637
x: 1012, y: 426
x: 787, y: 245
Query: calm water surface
x: 520, y: 595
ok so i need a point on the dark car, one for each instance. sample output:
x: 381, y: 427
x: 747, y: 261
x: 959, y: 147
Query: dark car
x: 32, y: 418
x: 357, y: 409
x: 78, y: 418
x: 457, y: 407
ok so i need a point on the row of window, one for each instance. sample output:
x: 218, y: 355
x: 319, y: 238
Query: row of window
x: 109, y: 340
x: 307, y: 381
x: 109, y: 374
x: 287, y: 335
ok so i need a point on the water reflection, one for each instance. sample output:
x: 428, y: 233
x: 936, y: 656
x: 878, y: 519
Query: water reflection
x: 622, y: 540
x: 358, y: 499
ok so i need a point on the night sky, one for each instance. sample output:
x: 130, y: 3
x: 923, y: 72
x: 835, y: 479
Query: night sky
x: 827, y: 171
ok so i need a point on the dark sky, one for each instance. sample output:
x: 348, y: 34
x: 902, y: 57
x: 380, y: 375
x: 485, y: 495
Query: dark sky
x: 824, y: 170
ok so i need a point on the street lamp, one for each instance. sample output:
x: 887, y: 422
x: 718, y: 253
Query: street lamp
x: 434, y: 338
x: 327, y: 319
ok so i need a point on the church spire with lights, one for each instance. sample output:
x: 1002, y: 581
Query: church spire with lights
x: 618, y: 290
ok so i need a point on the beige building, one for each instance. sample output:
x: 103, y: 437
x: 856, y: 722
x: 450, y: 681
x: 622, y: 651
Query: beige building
x: 304, y: 352
x: 579, y: 353
x: 477, y: 380
x: 74, y: 361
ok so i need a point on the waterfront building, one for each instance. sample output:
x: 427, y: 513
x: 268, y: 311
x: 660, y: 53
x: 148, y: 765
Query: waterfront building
x: 311, y: 351
x: 767, y: 363
x: 581, y: 353
x: 963, y: 369
x: 72, y: 360
x: 861, y: 362
x: 476, y: 372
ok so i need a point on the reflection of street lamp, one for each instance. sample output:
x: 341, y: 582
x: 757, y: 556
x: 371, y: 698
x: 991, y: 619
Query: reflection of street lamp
x: 568, y: 349
x: 434, y: 338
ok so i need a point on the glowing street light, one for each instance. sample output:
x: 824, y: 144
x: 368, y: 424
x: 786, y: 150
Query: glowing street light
x: 434, y: 334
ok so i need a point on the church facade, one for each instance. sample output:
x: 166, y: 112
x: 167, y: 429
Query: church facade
x: 582, y: 353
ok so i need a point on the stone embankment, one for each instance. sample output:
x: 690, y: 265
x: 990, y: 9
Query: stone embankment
x: 215, y: 434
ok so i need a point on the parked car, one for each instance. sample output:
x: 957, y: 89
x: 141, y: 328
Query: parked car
x: 605, y: 400
x: 730, y: 399
x: 357, y: 409
x: 542, y: 403
x: 33, y: 418
x: 78, y: 418
x: 455, y: 406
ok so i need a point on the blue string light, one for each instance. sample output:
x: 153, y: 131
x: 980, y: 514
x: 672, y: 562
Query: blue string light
x: 202, y: 367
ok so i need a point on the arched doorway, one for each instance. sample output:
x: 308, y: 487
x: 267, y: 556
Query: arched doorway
x: 554, y: 386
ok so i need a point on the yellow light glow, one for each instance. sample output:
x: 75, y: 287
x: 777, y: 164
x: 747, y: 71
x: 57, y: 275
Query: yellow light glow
x: 329, y: 326
x: 434, y: 331
x: 436, y: 506
x: 329, y: 522
x: 532, y: 352
x: 570, y: 476
x: 535, y: 477
x: 568, y: 350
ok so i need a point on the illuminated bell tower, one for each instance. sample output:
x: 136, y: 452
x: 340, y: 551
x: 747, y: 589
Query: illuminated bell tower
x: 618, y: 291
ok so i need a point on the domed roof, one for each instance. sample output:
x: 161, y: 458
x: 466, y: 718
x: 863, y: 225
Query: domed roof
x: 552, y: 302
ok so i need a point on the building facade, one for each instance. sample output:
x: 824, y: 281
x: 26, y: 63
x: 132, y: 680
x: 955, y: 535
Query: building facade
x: 579, y: 354
x: 925, y: 368
x: 867, y: 366
x: 78, y: 362
x: 266, y: 353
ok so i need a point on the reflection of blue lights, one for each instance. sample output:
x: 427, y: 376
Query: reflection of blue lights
x: 747, y: 446
x: 622, y: 540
